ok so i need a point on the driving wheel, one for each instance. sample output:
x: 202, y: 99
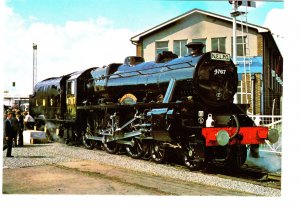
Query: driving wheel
x: 158, y: 152
x: 135, y: 151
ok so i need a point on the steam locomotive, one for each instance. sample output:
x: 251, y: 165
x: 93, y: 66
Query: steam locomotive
x: 152, y: 108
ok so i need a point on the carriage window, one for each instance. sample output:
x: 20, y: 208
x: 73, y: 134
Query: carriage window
x: 71, y: 87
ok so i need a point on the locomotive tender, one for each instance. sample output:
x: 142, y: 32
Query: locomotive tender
x: 151, y: 108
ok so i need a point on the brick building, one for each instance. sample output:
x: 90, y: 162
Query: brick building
x: 259, y: 60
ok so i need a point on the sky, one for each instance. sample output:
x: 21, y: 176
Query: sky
x: 74, y: 35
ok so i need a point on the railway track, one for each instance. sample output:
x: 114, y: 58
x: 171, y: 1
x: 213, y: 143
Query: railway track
x: 257, y: 176
x: 247, y: 173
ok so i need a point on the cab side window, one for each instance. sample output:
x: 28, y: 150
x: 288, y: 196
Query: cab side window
x: 71, y: 87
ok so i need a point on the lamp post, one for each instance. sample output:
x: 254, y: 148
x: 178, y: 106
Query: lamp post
x: 34, y: 47
x: 234, y: 14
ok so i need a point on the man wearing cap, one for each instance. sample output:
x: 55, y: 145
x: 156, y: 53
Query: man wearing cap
x: 8, y: 134
x: 195, y: 48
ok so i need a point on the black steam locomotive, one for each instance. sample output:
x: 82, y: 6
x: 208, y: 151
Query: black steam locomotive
x: 152, y: 108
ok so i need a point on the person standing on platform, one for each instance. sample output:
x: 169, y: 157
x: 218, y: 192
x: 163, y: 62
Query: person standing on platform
x: 20, y: 119
x: 8, y: 134
x: 28, y: 121
x: 15, y: 125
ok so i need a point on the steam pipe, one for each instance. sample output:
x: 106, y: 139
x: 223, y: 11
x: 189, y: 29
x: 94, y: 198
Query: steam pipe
x: 237, y: 126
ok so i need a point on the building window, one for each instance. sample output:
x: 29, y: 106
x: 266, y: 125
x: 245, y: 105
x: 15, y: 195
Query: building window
x: 242, y: 92
x: 203, y: 41
x: 179, y: 47
x: 240, y: 43
x: 218, y: 44
x: 161, y: 46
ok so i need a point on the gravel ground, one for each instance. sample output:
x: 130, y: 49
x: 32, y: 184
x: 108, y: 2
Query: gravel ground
x: 44, y: 154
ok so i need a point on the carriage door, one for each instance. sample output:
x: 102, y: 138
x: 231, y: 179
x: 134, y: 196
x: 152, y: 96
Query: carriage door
x: 71, y: 100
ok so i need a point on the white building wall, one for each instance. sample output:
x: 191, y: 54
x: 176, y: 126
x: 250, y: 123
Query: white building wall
x: 196, y: 26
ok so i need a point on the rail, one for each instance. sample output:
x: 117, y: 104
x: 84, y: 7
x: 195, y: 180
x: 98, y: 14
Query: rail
x: 274, y: 122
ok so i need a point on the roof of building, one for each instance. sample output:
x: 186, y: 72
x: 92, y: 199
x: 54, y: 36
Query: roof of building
x: 188, y: 13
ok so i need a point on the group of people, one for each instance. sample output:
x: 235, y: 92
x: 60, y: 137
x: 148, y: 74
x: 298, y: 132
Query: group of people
x: 15, y: 122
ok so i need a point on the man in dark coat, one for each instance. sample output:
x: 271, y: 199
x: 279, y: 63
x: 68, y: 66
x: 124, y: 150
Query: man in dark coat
x: 8, y: 134
x: 20, y: 119
x: 15, y: 125
x: 195, y: 48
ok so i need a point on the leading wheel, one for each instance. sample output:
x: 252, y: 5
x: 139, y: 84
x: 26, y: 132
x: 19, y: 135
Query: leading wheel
x: 158, y: 152
x: 237, y: 156
x: 193, y: 154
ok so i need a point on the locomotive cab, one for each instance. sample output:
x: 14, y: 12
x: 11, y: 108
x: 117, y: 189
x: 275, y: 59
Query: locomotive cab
x: 77, y: 90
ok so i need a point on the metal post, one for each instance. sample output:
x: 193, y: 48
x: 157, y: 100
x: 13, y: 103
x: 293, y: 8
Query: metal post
x: 234, y: 10
x: 253, y: 94
x: 234, y: 51
x: 34, y: 80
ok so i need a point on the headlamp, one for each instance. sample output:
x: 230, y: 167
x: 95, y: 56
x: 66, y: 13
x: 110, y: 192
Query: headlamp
x: 273, y: 135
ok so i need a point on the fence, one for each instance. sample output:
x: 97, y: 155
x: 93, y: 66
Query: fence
x: 274, y: 122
